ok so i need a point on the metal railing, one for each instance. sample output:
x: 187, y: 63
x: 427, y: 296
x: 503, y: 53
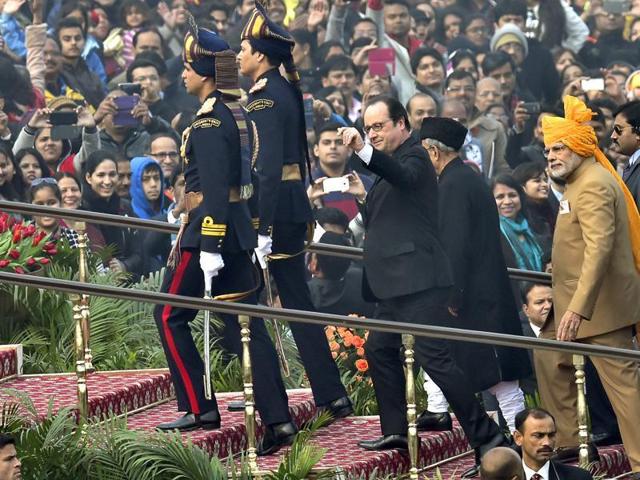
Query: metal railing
x: 244, y: 312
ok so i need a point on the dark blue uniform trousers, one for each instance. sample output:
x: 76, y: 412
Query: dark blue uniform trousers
x: 290, y: 278
x: 186, y: 365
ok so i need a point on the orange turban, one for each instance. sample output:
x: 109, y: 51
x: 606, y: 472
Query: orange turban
x: 573, y: 131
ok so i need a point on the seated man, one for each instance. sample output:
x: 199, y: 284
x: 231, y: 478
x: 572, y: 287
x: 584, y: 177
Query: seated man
x: 501, y: 463
x: 535, y: 434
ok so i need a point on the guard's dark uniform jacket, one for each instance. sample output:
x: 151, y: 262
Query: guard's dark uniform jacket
x: 274, y: 106
x: 281, y: 209
x: 219, y: 224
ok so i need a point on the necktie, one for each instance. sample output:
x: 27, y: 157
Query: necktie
x: 536, y: 476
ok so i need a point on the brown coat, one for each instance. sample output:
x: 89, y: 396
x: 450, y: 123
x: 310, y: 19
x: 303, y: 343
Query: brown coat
x: 593, y: 268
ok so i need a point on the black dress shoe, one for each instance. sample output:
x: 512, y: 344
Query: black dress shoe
x: 190, y: 421
x: 572, y: 454
x: 434, y: 422
x: 275, y: 437
x: 236, y: 406
x: 339, y: 408
x: 499, y: 440
x: 605, y: 439
x: 474, y: 471
x: 386, y: 442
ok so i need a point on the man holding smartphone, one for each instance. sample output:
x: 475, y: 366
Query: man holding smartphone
x: 283, y: 212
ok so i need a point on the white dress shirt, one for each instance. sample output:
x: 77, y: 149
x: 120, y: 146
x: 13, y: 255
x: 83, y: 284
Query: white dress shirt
x: 634, y: 158
x: 366, y: 153
x: 543, y: 472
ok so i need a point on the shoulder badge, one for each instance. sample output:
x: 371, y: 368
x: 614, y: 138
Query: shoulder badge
x: 260, y: 104
x: 207, y: 107
x: 259, y: 85
x: 205, y: 123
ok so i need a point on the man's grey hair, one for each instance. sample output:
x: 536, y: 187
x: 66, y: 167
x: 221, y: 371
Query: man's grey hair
x: 439, y: 145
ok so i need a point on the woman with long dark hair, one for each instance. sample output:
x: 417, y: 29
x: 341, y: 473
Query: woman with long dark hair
x: 99, y: 195
x: 555, y: 23
x: 11, y: 182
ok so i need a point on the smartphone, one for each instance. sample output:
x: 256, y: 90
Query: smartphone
x: 532, y: 108
x: 382, y: 62
x: 64, y: 132
x: 63, y: 117
x: 616, y: 6
x: 592, y: 84
x: 124, y: 107
x: 307, y: 100
x: 130, y: 88
x: 340, y: 184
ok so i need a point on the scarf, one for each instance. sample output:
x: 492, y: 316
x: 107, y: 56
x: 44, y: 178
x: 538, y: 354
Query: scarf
x: 527, y: 252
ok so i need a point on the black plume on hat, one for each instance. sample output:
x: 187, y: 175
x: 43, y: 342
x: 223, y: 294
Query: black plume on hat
x: 445, y: 130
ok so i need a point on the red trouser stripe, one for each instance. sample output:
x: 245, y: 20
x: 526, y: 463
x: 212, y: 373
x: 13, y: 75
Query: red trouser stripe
x: 166, y: 312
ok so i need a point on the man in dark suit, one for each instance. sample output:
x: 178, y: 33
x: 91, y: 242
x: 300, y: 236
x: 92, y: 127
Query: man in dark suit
x: 626, y: 134
x: 407, y: 271
x: 535, y: 434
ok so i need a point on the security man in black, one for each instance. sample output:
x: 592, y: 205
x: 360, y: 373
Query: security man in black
x: 215, y: 244
x: 283, y: 211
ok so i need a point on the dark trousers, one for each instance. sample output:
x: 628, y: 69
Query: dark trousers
x: 290, y: 278
x: 186, y: 365
x: 385, y: 356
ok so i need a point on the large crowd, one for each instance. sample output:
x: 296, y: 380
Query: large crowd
x: 94, y: 109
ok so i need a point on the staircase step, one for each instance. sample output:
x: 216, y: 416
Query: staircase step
x: 109, y: 392
x: 230, y: 439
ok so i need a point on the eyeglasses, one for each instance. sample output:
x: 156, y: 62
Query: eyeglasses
x: 554, y: 149
x: 45, y: 180
x: 170, y: 155
x: 617, y: 129
x: 376, y: 127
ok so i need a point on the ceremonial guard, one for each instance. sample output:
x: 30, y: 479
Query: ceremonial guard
x: 215, y: 243
x: 282, y: 207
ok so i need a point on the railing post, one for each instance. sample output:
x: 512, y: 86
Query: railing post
x: 81, y: 227
x: 583, y: 428
x: 249, y: 403
x: 412, y: 437
x: 81, y: 370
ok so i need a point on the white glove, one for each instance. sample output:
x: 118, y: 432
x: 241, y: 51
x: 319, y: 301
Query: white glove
x: 263, y: 249
x: 211, y: 264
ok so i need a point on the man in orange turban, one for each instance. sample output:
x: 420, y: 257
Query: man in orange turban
x: 596, y: 284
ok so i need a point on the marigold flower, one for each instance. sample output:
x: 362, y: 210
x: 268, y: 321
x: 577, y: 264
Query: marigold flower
x: 362, y: 365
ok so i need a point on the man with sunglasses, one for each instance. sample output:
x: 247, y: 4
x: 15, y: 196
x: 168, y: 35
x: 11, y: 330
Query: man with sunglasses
x: 406, y: 270
x: 626, y: 136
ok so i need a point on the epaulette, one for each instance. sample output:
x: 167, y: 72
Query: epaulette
x: 207, y: 107
x: 259, y: 85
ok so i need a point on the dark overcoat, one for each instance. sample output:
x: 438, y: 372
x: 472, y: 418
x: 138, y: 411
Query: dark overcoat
x: 470, y: 235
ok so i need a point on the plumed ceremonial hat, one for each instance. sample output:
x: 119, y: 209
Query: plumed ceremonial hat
x: 269, y: 38
x: 445, y: 130
x: 211, y: 56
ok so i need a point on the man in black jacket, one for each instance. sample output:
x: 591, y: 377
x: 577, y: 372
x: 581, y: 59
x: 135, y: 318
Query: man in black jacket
x: 407, y: 271
x: 626, y: 135
x: 535, y: 433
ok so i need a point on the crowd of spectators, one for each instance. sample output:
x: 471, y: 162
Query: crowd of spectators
x: 92, y: 106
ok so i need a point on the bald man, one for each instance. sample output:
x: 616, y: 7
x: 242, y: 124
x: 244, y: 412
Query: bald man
x: 501, y: 463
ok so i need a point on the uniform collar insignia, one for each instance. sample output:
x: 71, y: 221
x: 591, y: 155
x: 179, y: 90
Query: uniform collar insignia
x: 260, y: 84
x: 207, y: 106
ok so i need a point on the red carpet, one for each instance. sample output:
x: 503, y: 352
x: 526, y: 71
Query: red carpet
x: 131, y: 391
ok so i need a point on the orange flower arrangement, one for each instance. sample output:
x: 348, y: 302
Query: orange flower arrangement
x: 362, y: 365
x: 347, y: 346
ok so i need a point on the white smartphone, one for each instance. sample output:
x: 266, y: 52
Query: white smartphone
x: 592, y: 84
x: 340, y: 184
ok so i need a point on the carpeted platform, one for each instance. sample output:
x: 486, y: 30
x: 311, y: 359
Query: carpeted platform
x: 145, y: 396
